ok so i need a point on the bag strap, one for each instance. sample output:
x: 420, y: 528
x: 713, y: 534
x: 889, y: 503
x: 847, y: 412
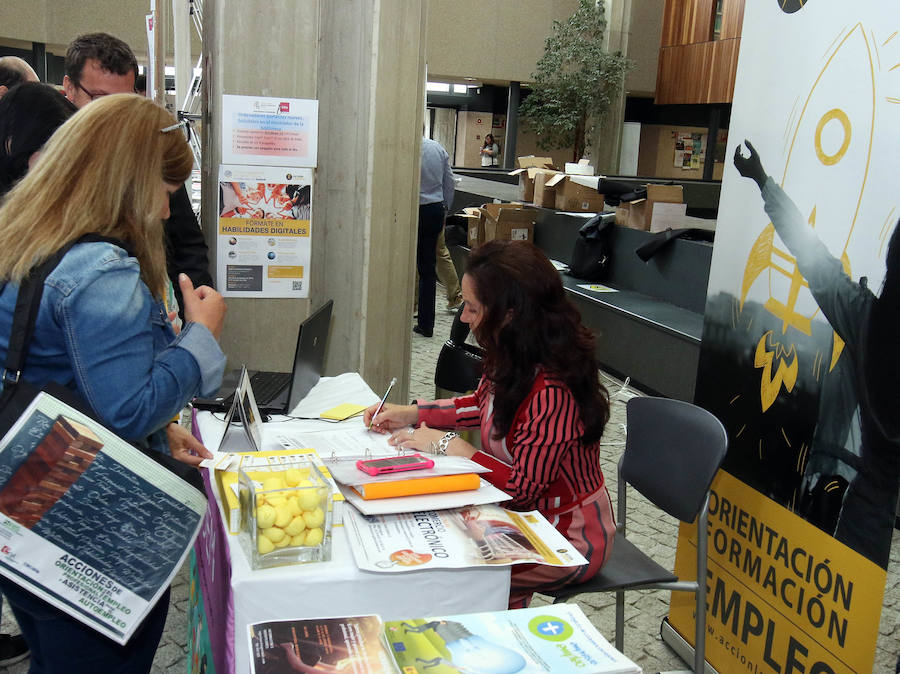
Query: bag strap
x: 28, y: 303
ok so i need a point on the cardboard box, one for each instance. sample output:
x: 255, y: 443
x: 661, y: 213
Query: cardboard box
x: 509, y: 221
x: 474, y: 225
x: 544, y: 194
x: 638, y: 214
x: 631, y: 214
x: 576, y: 193
x: 536, y: 162
x: 669, y: 194
x: 672, y: 216
x: 580, y: 168
x: 526, y: 181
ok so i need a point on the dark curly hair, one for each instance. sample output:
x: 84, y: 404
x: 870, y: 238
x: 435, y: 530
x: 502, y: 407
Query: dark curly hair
x: 528, y: 322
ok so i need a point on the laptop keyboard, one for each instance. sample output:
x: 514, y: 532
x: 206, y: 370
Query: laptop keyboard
x: 267, y: 385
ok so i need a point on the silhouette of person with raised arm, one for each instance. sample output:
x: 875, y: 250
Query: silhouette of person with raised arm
x: 870, y: 328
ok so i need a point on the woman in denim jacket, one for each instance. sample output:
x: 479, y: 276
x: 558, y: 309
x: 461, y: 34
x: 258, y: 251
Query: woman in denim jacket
x: 102, y: 329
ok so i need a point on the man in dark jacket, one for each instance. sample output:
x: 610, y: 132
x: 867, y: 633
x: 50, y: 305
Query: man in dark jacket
x: 98, y: 64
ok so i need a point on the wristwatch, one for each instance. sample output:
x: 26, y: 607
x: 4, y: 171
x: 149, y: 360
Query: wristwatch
x: 444, y: 442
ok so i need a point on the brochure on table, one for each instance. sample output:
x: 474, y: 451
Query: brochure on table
x: 482, y: 535
x: 87, y: 522
x: 555, y: 638
x: 263, y: 240
x: 354, y: 645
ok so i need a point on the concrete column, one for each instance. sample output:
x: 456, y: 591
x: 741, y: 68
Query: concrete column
x: 512, y: 126
x: 606, y: 143
x: 364, y: 61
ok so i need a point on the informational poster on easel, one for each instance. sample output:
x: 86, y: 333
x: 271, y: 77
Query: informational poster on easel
x: 243, y: 425
x: 264, y: 231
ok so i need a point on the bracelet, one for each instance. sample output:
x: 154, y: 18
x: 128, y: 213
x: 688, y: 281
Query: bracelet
x: 444, y: 442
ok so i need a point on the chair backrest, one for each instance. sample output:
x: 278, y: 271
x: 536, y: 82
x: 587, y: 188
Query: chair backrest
x: 672, y: 452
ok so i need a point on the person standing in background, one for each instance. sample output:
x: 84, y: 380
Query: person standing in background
x: 98, y: 64
x: 435, y: 196
x: 490, y: 151
x: 13, y: 71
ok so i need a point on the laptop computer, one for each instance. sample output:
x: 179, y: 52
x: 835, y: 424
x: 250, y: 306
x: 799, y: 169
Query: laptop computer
x: 279, y: 392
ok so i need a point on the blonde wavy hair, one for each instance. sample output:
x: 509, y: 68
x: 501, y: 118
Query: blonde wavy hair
x: 99, y: 173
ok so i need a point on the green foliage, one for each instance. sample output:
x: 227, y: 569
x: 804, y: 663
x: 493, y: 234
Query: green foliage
x: 576, y: 81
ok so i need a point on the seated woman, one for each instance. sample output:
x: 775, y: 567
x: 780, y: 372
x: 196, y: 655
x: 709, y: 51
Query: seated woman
x: 101, y: 328
x: 540, y: 406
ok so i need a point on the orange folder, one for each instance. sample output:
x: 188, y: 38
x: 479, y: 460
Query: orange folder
x: 422, y: 485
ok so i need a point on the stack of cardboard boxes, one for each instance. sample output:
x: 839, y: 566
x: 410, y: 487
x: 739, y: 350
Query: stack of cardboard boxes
x: 572, y: 190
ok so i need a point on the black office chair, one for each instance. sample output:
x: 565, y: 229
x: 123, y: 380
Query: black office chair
x: 672, y: 452
x: 459, y: 364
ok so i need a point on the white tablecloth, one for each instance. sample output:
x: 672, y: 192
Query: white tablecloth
x: 338, y: 587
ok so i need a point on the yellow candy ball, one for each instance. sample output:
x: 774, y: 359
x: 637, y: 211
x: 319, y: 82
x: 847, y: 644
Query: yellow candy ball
x: 299, y: 539
x: 274, y: 482
x: 265, y: 516
x: 308, y: 499
x: 274, y: 534
x: 283, y: 516
x: 264, y: 545
x: 284, y: 542
x: 275, y: 500
x: 314, y: 536
x: 292, y: 476
x: 294, y: 507
x: 304, y: 483
x: 314, y: 518
x: 296, y: 526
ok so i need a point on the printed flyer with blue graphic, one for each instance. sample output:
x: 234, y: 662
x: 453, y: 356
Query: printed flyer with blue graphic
x: 556, y: 638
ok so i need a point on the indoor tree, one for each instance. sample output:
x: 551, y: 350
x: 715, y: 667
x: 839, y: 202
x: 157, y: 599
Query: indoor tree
x: 575, y: 83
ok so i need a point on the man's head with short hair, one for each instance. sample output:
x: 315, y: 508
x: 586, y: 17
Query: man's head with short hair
x: 13, y: 71
x: 98, y: 64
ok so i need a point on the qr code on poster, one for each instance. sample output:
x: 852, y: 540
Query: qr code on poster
x: 297, y: 285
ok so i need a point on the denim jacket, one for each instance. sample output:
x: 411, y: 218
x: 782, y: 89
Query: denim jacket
x: 101, y: 333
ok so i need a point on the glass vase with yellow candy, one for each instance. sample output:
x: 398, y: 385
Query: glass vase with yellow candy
x: 285, y: 514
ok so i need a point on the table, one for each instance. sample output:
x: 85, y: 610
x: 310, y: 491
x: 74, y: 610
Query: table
x: 235, y: 596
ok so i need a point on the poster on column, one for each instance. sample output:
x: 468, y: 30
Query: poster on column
x: 263, y: 241
x: 267, y: 131
x: 802, y: 513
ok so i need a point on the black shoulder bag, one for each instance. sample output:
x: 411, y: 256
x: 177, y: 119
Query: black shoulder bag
x: 592, y: 253
x: 17, y: 393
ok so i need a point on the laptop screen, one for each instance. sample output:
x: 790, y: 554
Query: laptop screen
x: 309, y: 359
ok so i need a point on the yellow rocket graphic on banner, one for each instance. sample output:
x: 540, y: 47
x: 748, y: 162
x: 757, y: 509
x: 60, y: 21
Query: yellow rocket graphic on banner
x: 829, y: 145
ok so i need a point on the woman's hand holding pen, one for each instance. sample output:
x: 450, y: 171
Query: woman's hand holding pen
x: 390, y: 417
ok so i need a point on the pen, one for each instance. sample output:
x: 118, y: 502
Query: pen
x: 381, y: 404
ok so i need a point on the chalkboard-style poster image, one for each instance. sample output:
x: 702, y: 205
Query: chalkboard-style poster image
x: 87, y: 521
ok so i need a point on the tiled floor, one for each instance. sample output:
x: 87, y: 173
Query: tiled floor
x: 644, y: 610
